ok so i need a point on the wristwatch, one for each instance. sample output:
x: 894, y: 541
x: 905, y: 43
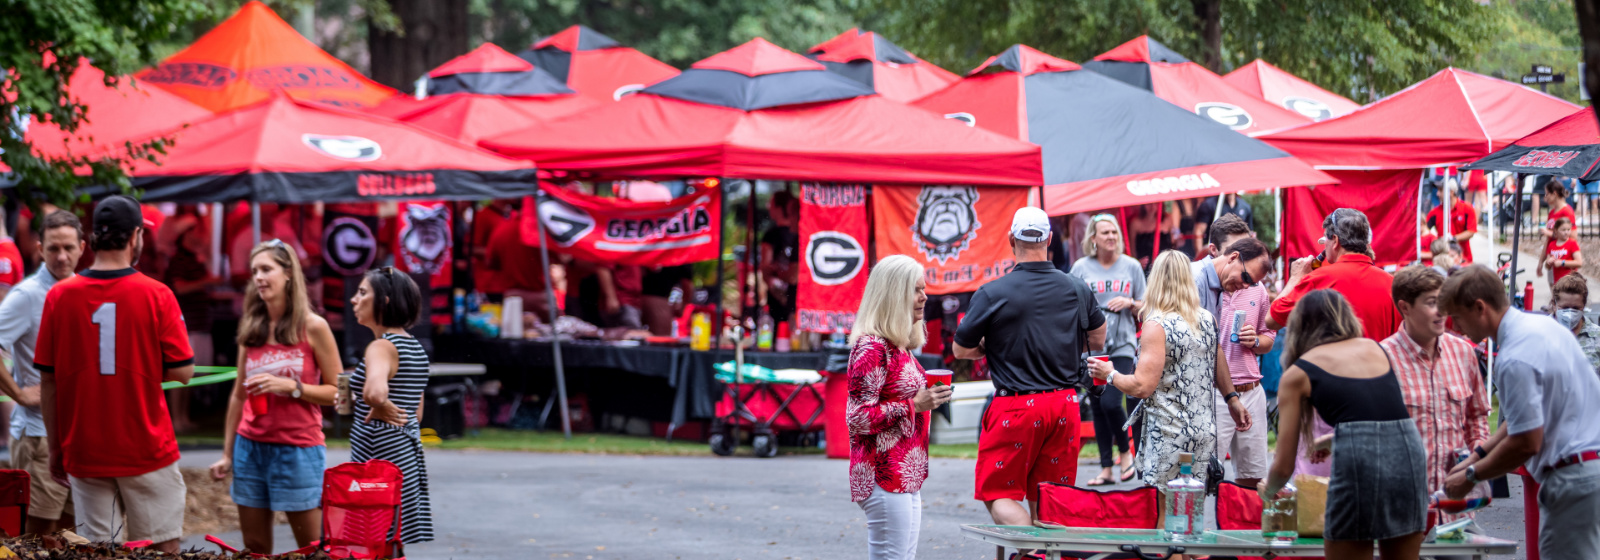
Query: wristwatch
x: 297, y: 389
x: 1472, y: 475
x: 1230, y: 396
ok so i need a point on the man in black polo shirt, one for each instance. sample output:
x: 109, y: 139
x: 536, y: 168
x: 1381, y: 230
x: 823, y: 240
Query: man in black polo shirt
x: 1034, y: 326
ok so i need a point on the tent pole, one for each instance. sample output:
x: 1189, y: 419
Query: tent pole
x: 1420, y: 182
x: 1155, y: 244
x: 1277, y: 226
x: 718, y: 322
x: 255, y: 224
x: 1516, y: 236
x: 216, y: 239
x: 1217, y: 213
x: 555, y: 337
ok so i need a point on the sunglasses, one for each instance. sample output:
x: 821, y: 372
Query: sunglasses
x: 1102, y: 218
x: 1248, y: 279
x: 275, y: 244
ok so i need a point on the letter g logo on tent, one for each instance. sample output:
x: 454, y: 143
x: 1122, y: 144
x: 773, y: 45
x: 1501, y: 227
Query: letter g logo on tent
x: 348, y: 148
x: 1228, y: 114
x: 834, y: 257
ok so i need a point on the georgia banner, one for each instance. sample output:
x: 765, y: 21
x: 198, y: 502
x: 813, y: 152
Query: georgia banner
x: 833, y: 255
x: 611, y: 230
x: 957, y: 232
x: 422, y: 245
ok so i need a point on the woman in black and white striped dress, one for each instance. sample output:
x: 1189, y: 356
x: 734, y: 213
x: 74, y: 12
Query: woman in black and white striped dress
x: 387, y: 388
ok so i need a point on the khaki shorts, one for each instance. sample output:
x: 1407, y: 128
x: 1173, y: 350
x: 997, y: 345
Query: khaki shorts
x: 1249, y: 448
x: 154, y: 503
x: 49, y: 498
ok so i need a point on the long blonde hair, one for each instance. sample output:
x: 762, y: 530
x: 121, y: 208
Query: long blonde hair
x: 886, y: 306
x: 255, y: 322
x: 1089, y: 248
x: 1171, y: 289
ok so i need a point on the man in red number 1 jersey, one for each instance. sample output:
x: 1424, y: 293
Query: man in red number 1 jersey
x: 108, y: 338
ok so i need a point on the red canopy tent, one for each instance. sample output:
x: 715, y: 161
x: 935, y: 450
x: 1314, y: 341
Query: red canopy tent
x: 759, y: 111
x: 243, y: 59
x: 596, y: 65
x: 1453, y: 117
x: 1150, y: 65
x: 869, y: 58
x: 1158, y: 152
x: 1262, y: 79
x: 113, y: 115
x: 290, y: 151
x: 1569, y: 147
x: 486, y: 92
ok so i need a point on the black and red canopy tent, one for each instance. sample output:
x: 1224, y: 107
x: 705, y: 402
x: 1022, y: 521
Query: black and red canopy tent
x: 596, y: 65
x: 490, y: 70
x: 761, y: 112
x: 867, y: 57
x: 1569, y: 147
x: 1106, y: 144
x: 1149, y: 65
x: 290, y: 151
x: 484, y: 93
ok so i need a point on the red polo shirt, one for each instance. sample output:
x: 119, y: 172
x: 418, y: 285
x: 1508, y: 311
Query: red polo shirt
x: 1462, y: 218
x: 1354, y: 277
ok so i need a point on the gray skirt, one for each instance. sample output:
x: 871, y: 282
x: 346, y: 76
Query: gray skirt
x: 1379, y: 487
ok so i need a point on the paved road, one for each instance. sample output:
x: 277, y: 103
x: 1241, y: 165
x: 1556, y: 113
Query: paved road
x: 527, y: 505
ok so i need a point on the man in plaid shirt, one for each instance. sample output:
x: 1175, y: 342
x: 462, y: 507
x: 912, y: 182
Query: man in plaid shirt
x: 1439, y: 375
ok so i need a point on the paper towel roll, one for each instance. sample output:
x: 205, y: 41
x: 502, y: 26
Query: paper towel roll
x: 511, y: 318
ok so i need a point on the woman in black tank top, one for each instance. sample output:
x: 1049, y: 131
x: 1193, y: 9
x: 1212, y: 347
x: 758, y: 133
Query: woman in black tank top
x: 1378, y: 490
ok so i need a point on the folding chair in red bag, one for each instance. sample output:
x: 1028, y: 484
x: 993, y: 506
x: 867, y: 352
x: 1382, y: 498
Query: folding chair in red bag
x: 1071, y: 506
x: 361, y: 510
x: 14, y: 499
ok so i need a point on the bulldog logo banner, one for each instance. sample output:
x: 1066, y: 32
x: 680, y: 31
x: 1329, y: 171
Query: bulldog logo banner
x: 611, y: 230
x: 958, y: 232
x: 422, y: 246
x: 833, y: 263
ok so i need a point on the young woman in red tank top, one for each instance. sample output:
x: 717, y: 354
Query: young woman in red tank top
x: 272, y: 441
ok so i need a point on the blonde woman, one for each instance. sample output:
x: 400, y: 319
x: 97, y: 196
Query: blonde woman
x: 888, y: 410
x: 1118, y: 286
x: 1176, y: 372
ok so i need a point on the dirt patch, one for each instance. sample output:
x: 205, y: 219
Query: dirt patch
x: 208, y: 509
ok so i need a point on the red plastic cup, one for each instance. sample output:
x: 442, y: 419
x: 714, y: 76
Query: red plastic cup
x: 1099, y: 381
x: 259, y: 403
x: 939, y: 377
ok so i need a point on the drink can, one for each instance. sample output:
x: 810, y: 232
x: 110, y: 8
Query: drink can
x: 345, y: 406
x: 1238, y: 322
x: 1460, y: 454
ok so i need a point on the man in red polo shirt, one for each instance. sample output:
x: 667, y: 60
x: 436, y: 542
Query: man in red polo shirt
x: 1463, y: 223
x: 107, y: 340
x: 1346, y: 239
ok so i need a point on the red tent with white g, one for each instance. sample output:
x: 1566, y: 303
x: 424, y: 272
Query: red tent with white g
x: 596, y: 65
x: 1106, y: 144
x: 1452, y: 117
x: 290, y: 151
x: 1147, y: 64
x: 758, y: 111
x: 1262, y: 79
x: 247, y: 57
x: 869, y: 58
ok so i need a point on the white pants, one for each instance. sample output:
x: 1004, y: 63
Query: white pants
x: 1249, y: 448
x: 893, y: 523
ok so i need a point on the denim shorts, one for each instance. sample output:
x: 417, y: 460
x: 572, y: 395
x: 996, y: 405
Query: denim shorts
x: 277, y: 477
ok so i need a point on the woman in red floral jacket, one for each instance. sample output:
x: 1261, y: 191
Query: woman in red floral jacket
x: 888, y: 408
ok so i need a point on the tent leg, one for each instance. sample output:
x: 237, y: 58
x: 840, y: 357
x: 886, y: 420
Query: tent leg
x: 555, y: 338
x: 1423, y: 213
x: 216, y: 239
x: 1516, y: 236
x: 255, y: 224
x: 1277, y: 228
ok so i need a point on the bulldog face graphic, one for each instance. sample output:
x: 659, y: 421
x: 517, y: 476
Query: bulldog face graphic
x: 425, y: 235
x: 947, y: 221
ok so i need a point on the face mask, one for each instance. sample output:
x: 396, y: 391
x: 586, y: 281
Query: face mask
x: 1569, y: 318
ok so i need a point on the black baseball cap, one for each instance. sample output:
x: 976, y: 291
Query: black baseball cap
x: 118, y: 213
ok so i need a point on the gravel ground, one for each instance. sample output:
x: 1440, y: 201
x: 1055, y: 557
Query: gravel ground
x: 527, y: 505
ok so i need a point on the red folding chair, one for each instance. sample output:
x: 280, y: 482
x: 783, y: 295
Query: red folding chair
x: 14, y: 498
x: 361, y: 510
x: 1071, y: 506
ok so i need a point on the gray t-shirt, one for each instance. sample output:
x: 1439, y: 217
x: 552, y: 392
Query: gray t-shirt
x: 20, y: 314
x: 1545, y: 381
x: 1123, y: 279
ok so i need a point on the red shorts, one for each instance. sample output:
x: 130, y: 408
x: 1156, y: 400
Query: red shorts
x: 1026, y: 440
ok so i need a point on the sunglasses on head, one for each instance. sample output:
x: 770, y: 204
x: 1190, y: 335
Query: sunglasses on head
x: 1102, y: 218
x: 275, y: 244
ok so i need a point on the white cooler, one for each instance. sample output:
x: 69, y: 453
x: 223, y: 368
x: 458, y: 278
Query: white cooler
x: 966, y: 411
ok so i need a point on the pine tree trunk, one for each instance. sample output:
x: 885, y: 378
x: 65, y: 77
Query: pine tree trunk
x: 435, y: 32
x: 1209, y: 12
x: 1589, y: 31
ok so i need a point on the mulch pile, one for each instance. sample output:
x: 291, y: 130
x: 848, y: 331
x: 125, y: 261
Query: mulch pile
x: 68, y: 546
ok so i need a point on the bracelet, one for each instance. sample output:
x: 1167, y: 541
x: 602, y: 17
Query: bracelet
x: 1230, y: 396
x: 1481, y: 453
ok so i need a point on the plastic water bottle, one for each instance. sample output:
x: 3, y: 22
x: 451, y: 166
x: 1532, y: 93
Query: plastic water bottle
x: 1185, y: 503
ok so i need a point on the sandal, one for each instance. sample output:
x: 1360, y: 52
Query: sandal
x: 1100, y: 481
x: 1127, y: 473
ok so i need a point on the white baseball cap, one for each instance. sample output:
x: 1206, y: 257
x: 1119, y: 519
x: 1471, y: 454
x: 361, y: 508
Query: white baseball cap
x: 1030, y: 224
